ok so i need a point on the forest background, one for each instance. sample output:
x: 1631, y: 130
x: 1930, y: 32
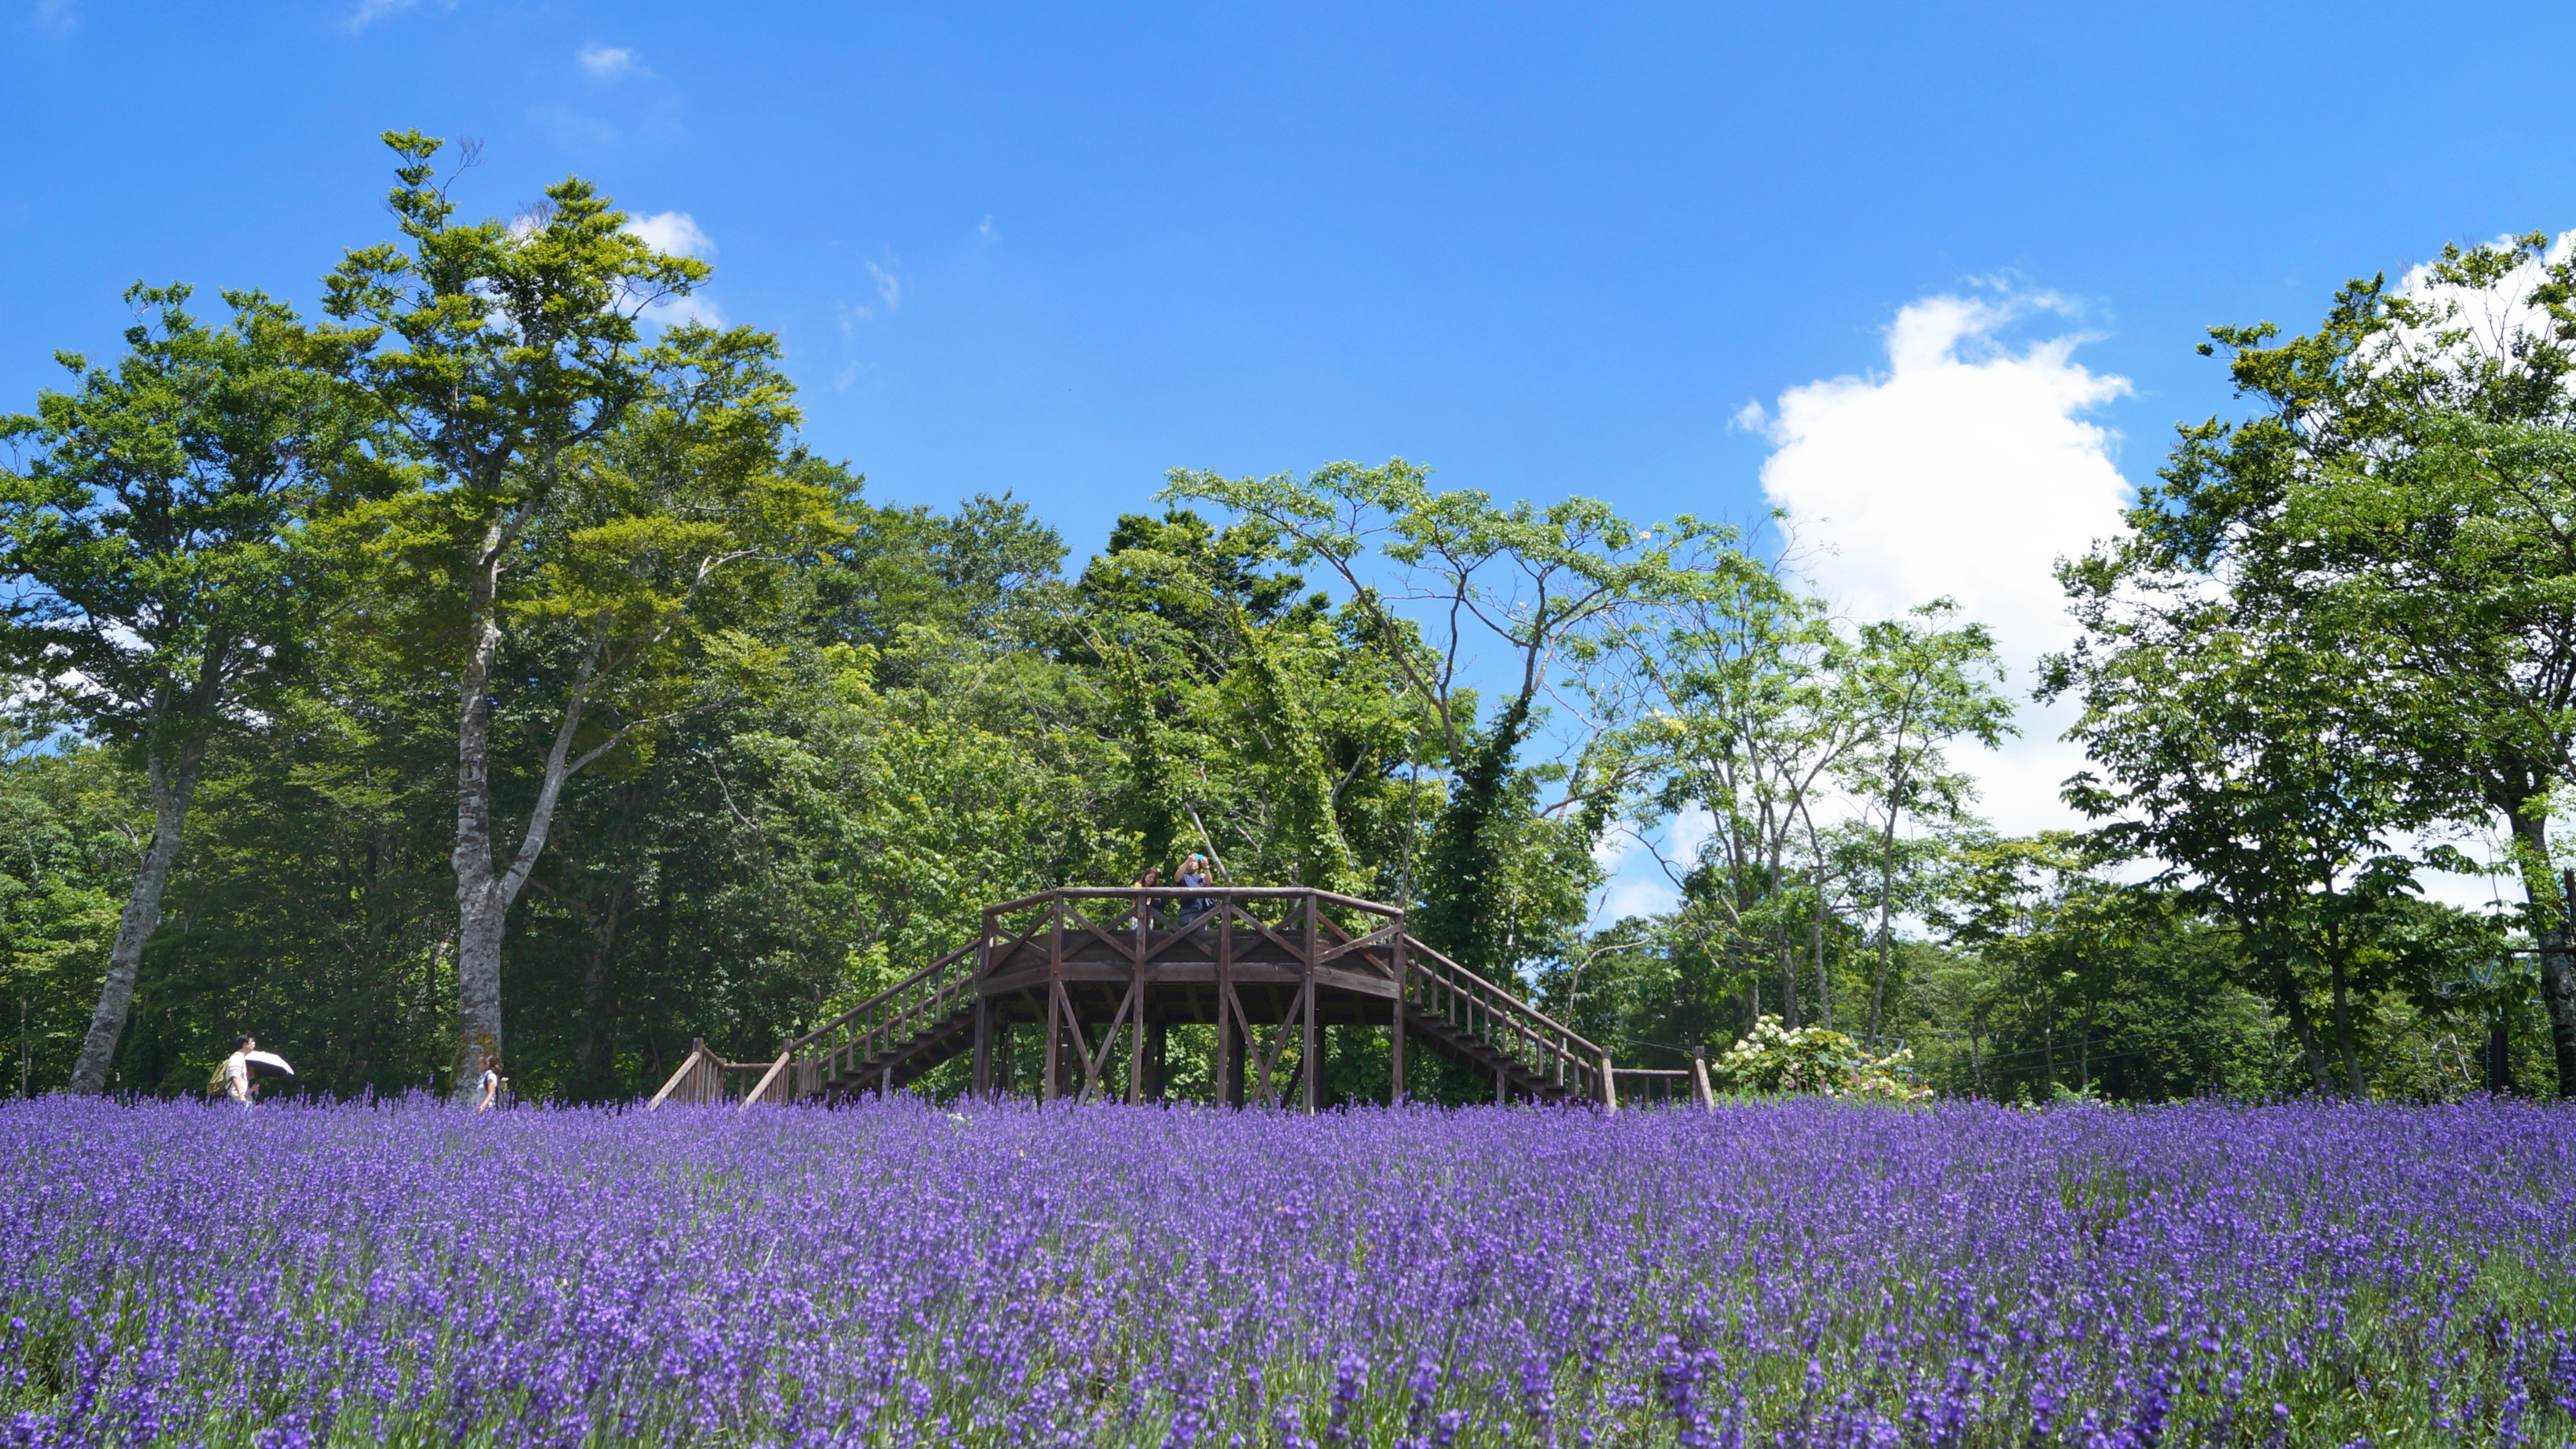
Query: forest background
x: 483, y: 664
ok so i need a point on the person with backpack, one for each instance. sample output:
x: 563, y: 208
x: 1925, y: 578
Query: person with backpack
x: 232, y: 1076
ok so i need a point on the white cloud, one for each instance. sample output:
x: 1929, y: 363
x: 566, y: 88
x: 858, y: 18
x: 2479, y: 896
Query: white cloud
x: 58, y: 15
x: 889, y: 287
x: 371, y: 11
x: 605, y: 62
x: 679, y: 311
x: 676, y: 232
x: 984, y: 230
x: 1966, y: 470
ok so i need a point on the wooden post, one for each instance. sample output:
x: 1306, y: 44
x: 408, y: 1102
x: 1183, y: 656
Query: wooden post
x: 983, y: 1045
x: 1055, y: 997
x: 1309, y: 1049
x: 1699, y: 1079
x: 1395, y: 1027
x: 1609, y: 1084
x: 1136, y: 1061
x: 1055, y: 1041
x: 1229, y: 1056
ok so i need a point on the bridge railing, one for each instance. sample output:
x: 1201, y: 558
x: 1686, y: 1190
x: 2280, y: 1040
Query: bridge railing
x: 1526, y: 1036
x: 705, y: 1078
x: 1164, y: 909
x: 875, y: 1026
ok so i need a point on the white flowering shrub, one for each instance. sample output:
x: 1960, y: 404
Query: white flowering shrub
x: 1814, y: 1061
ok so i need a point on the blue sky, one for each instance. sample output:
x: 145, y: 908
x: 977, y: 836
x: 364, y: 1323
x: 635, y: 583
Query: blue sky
x: 1542, y: 249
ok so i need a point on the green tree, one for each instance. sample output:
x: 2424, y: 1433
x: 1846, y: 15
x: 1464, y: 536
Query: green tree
x: 1556, y: 590
x: 2390, y: 521
x: 1920, y: 686
x: 619, y: 498
x: 157, y: 595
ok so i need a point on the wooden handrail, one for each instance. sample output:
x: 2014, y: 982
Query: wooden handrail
x: 906, y: 984
x: 689, y: 1066
x: 761, y: 1089
x: 1211, y: 892
x: 1519, y: 1006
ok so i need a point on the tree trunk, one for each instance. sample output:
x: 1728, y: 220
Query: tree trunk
x: 2354, y: 1085
x: 1886, y: 927
x: 171, y: 794
x: 1816, y: 951
x: 597, y: 1053
x: 480, y: 915
x: 1788, y: 983
x: 2295, y: 1002
x: 484, y: 891
x: 2048, y: 1050
x: 2547, y: 894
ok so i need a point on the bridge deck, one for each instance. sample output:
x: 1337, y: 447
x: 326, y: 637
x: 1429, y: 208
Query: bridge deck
x: 1098, y: 969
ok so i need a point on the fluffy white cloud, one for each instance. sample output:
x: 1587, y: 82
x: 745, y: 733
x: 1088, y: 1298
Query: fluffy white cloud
x: 1966, y: 469
x: 673, y: 231
x: 678, y: 233
x: 606, y: 62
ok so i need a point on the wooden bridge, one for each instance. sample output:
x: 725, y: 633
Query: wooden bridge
x: 1094, y: 972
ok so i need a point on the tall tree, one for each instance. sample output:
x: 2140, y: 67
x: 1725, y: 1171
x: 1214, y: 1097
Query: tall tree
x: 156, y: 595
x: 609, y: 497
x: 1920, y: 685
x: 2394, y: 514
x: 1552, y: 590
x: 1750, y: 721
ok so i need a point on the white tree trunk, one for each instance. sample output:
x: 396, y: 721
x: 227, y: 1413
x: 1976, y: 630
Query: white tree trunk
x: 171, y: 792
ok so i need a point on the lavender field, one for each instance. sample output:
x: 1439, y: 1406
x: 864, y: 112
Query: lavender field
x: 899, y: 1273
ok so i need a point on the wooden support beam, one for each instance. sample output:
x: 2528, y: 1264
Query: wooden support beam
x: 1229, y: 1058
x: 1307, y: 1051
x: 1609, y: 1084
x: 1395, y: 1031
x: 1699, y: 1080
x: 983, y: 1046
x: 1055, y: 1040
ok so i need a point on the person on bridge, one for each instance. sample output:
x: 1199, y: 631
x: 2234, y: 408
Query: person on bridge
x: 1144, y: 913
x: 1194, y: 872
